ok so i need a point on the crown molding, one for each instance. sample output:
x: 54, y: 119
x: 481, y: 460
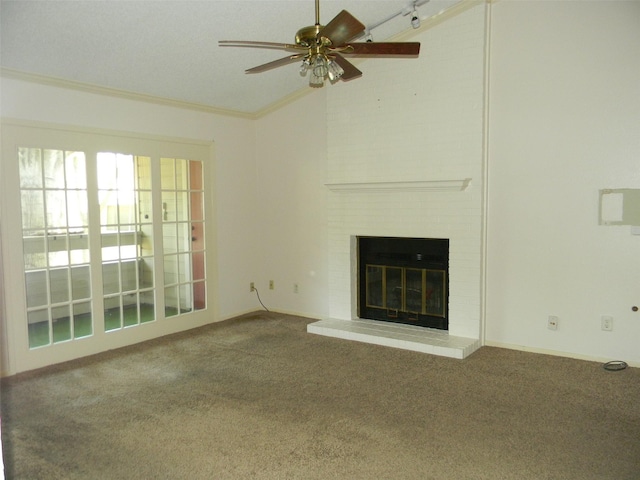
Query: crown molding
x: 114, y: 92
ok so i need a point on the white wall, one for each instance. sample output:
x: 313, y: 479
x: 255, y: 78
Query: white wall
x: 291, y: 146
x: 564, y: 123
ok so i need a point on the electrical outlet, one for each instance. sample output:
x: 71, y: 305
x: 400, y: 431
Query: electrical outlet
x: 606, y: 322
x: 295, y: 288
x: 252, y: 287
x: 552, y: 322
x: 271, y: 285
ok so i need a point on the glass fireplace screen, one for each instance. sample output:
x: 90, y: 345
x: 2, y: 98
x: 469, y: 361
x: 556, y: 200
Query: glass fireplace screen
x: 402, y: 289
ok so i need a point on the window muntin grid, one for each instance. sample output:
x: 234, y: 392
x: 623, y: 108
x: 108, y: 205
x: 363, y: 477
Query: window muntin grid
x: 54, y: 212
x: 126, y: 226
x: 183, y: 236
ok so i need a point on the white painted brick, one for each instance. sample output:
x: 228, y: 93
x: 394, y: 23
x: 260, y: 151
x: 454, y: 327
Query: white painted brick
x: 440, y: 98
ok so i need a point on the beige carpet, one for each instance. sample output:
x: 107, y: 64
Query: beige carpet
x: 258, y: 397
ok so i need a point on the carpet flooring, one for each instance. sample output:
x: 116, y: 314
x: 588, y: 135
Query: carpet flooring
x: 257, y: 397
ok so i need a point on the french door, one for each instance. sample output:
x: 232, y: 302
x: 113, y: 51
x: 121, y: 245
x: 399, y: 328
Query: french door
x: 108, y: 246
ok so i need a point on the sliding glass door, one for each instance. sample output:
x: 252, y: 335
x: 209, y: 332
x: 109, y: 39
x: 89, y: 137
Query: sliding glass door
x: 111, y: 233
x: 55, y: 228
x: 183, y: 236
x: 126, y: 231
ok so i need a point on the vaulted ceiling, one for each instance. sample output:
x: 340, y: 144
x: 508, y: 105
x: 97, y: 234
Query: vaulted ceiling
x: 169, y: 48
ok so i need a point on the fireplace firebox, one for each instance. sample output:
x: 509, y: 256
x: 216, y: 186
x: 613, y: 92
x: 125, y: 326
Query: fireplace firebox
x: 404, y: 280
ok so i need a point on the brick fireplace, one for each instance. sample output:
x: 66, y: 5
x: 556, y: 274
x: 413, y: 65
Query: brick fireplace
x: 405, y: 158
x: 443, y: 210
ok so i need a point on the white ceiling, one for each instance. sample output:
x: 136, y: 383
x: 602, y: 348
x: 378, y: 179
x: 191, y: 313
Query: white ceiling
x: 169, y: 48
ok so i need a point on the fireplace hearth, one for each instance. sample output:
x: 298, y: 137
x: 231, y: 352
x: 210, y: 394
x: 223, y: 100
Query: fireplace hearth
x: 404, y: 280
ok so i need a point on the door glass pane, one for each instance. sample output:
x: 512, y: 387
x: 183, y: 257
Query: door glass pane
x: 78, y: 249
x: 147, y: 307
x: 182, y: 176
x: 170, y: 269
x: 195, y: 175
x: 167, y: 172
x: 59, y: 281
x: 128, y: 276
x: 184, y: 267
x: 110, y: 277
x: 78, y: 214
x: 82, y: 323
x: 169, y: 237
x: 30, y: 161
x: 53, y: 169
x: 131, y: 313
x: 146, y: 272
x: 34, y: 250
x: 58, y: 248
x: 80, y: 282
x: 143, y: 169
x: 197, y: 210
x: 32, y: 203
x: 198, y: 265
x: 146, y: 207
x: 182, y: 206
x: 76, y: 171
x: 39, y: 328
x: 61, y: 324
x: 36, y: 285
x: 199, y: 294
x: 112, y: 313
x: 171, y: 301
x: 56, y: 204
x: 169, y: 206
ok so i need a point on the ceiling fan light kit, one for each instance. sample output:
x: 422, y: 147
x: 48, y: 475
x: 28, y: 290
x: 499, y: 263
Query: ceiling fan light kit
x: 322, y: 47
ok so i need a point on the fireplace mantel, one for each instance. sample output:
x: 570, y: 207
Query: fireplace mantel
x: 402, y: 186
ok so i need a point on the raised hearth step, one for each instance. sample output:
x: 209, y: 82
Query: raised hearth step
x: 407, y: 337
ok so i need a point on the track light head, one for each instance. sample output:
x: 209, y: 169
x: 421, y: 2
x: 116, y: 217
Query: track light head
x: 415, y: 19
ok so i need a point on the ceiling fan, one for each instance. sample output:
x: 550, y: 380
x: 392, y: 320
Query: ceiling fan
x: 321, y: 48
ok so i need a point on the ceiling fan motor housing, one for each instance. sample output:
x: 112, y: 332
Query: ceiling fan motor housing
x: 308, y: 36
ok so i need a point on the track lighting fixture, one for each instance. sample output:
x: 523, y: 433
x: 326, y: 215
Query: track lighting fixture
x: 415, y: 19
x: 411, y: 7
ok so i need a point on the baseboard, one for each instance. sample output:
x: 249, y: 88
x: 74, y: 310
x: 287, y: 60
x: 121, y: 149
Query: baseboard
x: 543, y: 351
x: 234, y: 315
x: 297, y: 314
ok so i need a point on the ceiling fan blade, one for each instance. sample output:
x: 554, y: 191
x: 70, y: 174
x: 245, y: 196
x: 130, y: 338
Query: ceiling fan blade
x: 383, y: 48
x: 342, y: 28
x: 350, y: 71
x: 252, y: 44
x: 276, y: 63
